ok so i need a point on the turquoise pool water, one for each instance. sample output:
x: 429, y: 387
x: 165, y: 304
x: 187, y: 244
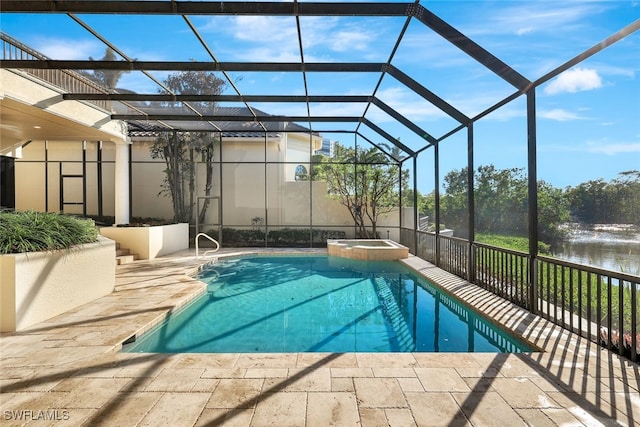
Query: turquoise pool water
x: 322, y: 304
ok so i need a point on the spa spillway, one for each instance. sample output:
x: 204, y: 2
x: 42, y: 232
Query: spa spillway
x: 367, y: 249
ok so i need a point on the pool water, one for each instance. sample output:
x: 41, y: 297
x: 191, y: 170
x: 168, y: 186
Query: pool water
x: 322, y: 304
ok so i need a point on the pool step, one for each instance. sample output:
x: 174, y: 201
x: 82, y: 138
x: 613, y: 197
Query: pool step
x: 124, y: 255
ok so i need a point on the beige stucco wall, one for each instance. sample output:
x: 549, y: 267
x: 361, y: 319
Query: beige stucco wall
x: 241, y: 189
x: 40, y: 285
x: 150, y: 242
x: 65, y: 158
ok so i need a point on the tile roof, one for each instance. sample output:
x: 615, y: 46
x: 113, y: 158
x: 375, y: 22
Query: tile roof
x: 248, y: 129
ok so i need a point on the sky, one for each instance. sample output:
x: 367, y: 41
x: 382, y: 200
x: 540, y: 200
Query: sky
x: 588, y: 118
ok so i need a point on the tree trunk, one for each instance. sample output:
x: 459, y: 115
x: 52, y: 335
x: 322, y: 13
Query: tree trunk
x: 208, y: 158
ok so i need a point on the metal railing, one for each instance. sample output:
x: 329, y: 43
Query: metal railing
x: 597, y: 304
x: 502, y: 271
x: 454, y: 255
x: 210, y: 251
x: 68, y: 80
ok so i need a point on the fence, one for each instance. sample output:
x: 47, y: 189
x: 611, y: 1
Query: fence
x: 70, y: 81
x: 597, y: 304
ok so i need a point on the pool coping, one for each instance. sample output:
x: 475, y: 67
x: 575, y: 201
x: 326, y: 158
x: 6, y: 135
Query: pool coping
x: 66, y: 361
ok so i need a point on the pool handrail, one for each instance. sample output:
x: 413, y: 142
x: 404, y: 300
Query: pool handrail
x: 209, y: 251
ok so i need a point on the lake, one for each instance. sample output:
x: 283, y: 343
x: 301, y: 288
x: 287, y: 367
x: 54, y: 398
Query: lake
x: 610, y: 246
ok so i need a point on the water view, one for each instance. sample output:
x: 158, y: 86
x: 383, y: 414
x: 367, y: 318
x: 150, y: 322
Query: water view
x: 611, y: 246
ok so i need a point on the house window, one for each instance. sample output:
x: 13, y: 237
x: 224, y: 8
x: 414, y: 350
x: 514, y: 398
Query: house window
x: 301, y: 173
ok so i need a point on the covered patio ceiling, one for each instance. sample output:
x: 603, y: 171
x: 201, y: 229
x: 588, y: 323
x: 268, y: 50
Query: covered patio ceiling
x: 411, y: 22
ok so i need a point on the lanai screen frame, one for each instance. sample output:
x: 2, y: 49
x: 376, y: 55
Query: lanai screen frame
x: 412, y: 11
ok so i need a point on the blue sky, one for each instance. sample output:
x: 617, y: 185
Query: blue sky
x: 588, y: 118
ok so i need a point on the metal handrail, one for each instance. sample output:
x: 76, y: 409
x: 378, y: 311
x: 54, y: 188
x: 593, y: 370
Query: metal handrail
x: 210, y: 250
x: 65, y: 79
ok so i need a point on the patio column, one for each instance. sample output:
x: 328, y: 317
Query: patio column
x: 122, y: 206
x: 471, y: 208
x: 532, y: 179
x: 436, y: 173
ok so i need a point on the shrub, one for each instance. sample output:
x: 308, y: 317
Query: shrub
x: 31, y: 231
x: 136, y: 221
x: 283, y: 237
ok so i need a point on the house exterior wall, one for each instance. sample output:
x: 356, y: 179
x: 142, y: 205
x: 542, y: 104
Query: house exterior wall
x: 253, y: 182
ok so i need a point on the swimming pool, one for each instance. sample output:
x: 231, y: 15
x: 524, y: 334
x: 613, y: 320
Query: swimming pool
x: 322, y: 304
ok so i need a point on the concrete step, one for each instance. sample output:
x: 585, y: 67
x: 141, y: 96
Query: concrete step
x: 126, y: 259
x: 124, y: 255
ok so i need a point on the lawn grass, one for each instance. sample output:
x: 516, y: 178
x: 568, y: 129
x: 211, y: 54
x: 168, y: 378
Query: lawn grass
x: 515, y: 243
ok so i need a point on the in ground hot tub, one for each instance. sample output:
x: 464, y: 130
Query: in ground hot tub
x: 367, y: 249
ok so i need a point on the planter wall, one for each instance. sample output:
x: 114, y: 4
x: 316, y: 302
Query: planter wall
x: 37, y: 286
x: 150, y: 242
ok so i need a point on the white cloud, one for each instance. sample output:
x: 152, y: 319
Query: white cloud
x: 63, y: 49
x: 273, y: 38
x: 613, y: 149
x: 348, y: 40
x: 536, y: 17
x: 523, y: 31
x: 407, y: 103
x: 559, y: 114
x: 574, y: 80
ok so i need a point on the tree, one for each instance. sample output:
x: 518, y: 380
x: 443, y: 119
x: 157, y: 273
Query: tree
x: 501, y: 203
x: 107, y: 78
x: 598, y: 201
x: 173, y: 148
x: 453, y: 202
x: 364, y: 181
x: 179, y: 149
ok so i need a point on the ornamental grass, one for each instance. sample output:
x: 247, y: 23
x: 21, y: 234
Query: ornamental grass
x: 31, y: 231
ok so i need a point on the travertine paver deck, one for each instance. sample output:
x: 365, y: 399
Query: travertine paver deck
x: 68, y: 371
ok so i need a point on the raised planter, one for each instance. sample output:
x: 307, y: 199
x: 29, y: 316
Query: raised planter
x: 150, y: 242
x: 37, y: 286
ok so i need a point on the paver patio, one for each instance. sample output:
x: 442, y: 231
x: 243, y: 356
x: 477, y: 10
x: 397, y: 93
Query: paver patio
x: 69, y: 371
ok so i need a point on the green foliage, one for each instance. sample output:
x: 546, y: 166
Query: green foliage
x: 284, y: 237
x: 501, y: 203
x: 365, y: 181
x: 179, y: 150
x: 241, y: 237
x: 289, y: 236
x: 32, y: 231
x: 136, y: 221
x: 615, y: 202
x: 515, y: 243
